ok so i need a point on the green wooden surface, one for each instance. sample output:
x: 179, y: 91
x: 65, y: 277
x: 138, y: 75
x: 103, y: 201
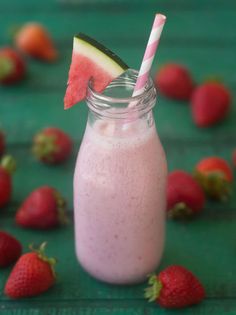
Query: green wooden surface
x: 200, y: 34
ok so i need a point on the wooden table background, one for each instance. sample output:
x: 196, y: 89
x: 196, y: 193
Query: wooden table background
x: 200, y: 34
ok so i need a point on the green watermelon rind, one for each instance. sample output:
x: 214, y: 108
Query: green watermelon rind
x: 110, y: 61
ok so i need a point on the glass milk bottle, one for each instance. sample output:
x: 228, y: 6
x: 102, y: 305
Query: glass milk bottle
x: 120, y: 185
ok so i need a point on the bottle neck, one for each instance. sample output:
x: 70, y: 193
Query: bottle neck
x: 117, y: 103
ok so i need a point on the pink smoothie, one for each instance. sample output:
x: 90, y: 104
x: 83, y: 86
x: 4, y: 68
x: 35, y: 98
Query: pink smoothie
x: 119, y: 202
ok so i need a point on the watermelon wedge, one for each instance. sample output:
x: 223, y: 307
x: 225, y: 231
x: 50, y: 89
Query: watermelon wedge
x: 90, y: 60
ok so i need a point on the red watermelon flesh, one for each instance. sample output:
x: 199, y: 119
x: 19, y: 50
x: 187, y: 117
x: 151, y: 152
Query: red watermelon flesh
x: 81, y: 71
x: 90, y: 61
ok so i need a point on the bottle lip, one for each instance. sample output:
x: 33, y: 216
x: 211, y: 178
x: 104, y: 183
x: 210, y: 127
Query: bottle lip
x: 104, y: 104
x: 100, y: 96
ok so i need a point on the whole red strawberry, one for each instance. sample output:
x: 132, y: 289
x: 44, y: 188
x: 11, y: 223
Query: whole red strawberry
x: 185, y: 196
x: 2, y: 143
x: 12, y: 66
x: 32, y: 275
x: 7, y: 167
x: 175, y: 287
x: 44, y: 208
x: 210, y: 104
x: 52, y: 146
x: 215, y: 176
x: 174, y: 81
x: 34, y: 40
x: 10, y: 249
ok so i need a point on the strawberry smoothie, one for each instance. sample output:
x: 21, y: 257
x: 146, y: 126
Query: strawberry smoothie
x: 120, y: 200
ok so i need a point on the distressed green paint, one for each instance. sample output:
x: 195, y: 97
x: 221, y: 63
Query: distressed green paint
x: 205, y: 245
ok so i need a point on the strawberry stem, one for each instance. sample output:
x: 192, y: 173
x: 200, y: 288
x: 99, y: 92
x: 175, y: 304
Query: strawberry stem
x: 8, y: 163
x: 61, y: 205
x: 44, y: 146
x: 214, y: 184
x: 180, y: 211
x: 152, y: 293
x: 6, y: 67
x: 41, y: 255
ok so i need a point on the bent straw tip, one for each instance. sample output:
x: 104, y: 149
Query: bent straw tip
x: 160, y: 16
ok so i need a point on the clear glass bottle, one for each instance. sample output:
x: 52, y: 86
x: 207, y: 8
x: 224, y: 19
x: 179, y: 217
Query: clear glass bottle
x: 120, y: 185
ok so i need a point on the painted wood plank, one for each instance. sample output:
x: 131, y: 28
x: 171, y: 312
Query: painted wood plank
x: 180, y: 155
x: 43, y: 78
x: 135, y: 5
x: 21, y: 116
x: 216, y: 307
x: 126, y: 23
x: 139, y: 3
x: 204, y: 245
x: 38, y: 101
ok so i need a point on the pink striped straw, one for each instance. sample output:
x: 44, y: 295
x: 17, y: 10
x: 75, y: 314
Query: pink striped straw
x: 149, y: 54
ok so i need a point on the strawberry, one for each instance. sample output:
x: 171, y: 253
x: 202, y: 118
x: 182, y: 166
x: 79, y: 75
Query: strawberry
x: 185, y: 196
x: 32, y: 275
x: 10, y: 249
x: 174, y: 81
x: 44, y: 208
x: 210, y: 103
x: 34, y: 40
x: 52, y: 146
x: 175, y: 287
x: 215, y: 176
x: 12, y: 66
x: 2, y: 143
x: 7, y: 167
x: 234, y: 157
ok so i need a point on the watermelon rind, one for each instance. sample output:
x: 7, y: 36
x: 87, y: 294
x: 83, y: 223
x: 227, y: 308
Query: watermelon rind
x: 95, y: 51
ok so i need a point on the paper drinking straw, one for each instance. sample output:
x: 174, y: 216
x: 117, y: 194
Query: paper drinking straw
x: 149, y: 54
